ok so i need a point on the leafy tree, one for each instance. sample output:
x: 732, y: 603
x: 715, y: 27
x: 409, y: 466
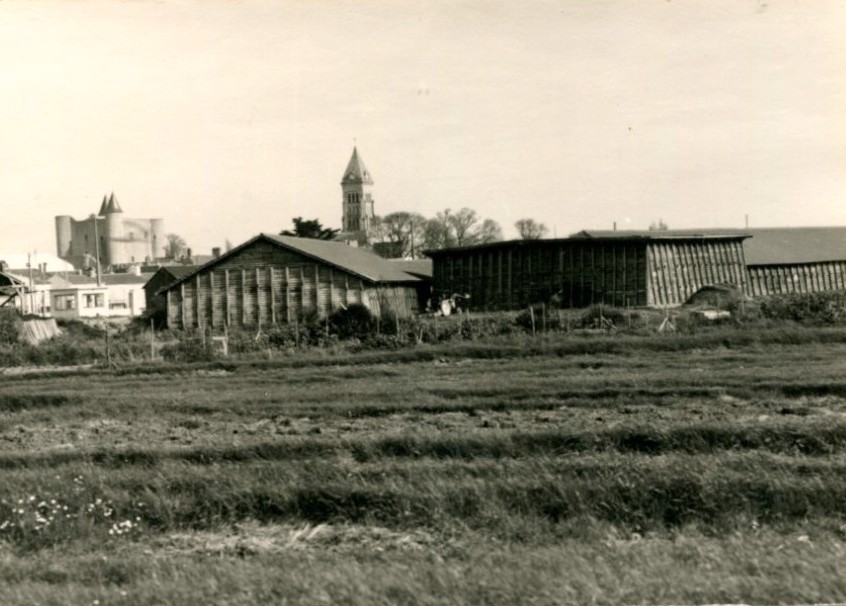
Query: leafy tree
x: 401, y: 232
x: 462, y: 228
x: 309, y: 229
x: 175, y: 247
x: 529, y: 229
x: 659, y: 226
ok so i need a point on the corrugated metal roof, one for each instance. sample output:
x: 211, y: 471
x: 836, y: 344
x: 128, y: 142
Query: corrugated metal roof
x: 115, y: 279
x: 354, y: 260
x: 416, y: 267
x: 693, y: 234
x: 659, y: 234
x: 787, y: 245
x: 105, y: 279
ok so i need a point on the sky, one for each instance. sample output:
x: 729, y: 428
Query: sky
x: 229, y: 118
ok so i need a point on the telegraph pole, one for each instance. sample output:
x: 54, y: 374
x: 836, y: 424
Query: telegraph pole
x: 96, y: 248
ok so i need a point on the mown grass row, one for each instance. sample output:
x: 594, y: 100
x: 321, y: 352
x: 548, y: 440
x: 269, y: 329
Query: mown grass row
x: 688, y: 568
x: 800, y: 437
x: 534, y: 501
x: 502, y: 348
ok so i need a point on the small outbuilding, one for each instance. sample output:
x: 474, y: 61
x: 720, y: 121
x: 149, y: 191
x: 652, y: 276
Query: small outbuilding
x: 154, y: 289
x: 278, y: 279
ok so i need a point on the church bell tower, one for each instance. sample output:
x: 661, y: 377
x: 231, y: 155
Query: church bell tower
x: 357, y: 187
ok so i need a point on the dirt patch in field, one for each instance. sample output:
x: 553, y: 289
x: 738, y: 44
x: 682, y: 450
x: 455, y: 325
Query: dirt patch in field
x: 254, y: 539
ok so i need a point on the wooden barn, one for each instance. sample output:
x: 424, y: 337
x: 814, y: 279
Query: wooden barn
x: 620, y: 268
x: 154, y: 289
x: 796, y: 260
x: 277, y: 279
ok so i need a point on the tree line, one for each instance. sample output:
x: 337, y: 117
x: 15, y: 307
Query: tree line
x: 408, y: 234
x: 405, y: 234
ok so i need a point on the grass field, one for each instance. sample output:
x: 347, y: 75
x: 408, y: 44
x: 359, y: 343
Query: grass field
x: 649, y: 470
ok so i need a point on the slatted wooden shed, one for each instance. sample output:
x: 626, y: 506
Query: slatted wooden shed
x: 652, y: 268
x: 277, y: 279
x: 782, y: 260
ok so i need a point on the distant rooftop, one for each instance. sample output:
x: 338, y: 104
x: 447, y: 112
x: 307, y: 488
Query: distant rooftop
x: 786, y: 245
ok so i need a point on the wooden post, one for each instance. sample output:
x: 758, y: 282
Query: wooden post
x: 532, y: 316
x: 197, y: 293
x: 258, y: 297
x: 243, y: 297
x: 211, y: 297
x: 543, y: 314
x: 317, y: 289
x: 331, y: 304
x: 152, y: 339
x: 272, y: 298
x: 227, y: 317
x: 302, y: 291
x: 296, y: 331
x: 287, y: 295
x: 182, y: 303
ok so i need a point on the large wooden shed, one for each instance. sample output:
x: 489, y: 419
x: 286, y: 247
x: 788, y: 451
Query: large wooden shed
x: 652, y: 268
x: 783, y: 260
x: 277, y: 279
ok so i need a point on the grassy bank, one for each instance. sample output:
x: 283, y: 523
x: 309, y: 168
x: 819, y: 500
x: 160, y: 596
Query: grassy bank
x: 636, y: 469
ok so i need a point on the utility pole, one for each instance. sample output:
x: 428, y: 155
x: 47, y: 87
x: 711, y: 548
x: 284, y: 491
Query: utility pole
x: 31, y: 300
x: 96, y: 248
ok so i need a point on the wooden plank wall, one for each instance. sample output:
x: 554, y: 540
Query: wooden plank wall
x: 677, y: 269
x: 512, y: 277
x: 767, y: 280
x: 266, y: 285
x: 622, y: 272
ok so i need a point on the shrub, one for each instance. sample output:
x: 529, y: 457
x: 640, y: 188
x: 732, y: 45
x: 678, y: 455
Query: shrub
x: 10, y: 323
x: 189, y: 350
x: 356, y: 321
x: 537, y: 317
x: 826, y: 308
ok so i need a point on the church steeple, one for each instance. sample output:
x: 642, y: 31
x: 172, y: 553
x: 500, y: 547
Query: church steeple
x: 356, y: 171
x: 357, y: 185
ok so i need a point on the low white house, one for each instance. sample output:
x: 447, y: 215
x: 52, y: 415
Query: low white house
x: 79, y: 296
x: 81, y: 301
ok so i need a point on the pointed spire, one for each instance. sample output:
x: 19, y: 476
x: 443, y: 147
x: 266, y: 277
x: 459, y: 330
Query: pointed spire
x: 356, y: 170
x: 113, y: 205
x: 103, y: 206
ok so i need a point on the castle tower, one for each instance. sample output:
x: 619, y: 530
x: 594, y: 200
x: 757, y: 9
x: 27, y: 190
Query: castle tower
x: 112, y: 252
x: 357, y: 187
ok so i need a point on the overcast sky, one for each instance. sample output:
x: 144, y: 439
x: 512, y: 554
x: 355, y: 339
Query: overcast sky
x: 230, y: 118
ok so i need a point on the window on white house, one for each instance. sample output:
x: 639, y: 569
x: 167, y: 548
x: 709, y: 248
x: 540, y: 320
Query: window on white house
x: 64, y: 302
x: 95, y: 300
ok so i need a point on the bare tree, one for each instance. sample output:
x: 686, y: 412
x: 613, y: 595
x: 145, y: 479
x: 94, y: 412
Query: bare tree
x: 529, y: 229
x: 462, y: 228
x: 175, y: 247
x: 659, y: 226
x: 402, y: 232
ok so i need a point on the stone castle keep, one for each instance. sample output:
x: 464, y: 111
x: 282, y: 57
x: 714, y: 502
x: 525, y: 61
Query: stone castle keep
x: 118, y: 240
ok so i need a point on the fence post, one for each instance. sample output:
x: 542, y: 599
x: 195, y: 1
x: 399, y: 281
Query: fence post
x: 532, y: 316
x: 152, y: 340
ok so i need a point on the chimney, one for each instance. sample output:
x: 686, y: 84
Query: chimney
x: 216, y: 252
